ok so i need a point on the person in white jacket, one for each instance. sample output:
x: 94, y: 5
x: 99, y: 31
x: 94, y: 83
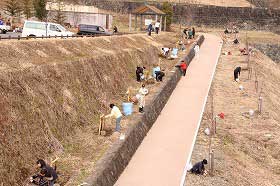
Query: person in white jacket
x: 141, y: 97
x: 116, y: 113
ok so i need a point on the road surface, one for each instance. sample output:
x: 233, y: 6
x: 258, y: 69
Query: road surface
x: 12, y: 34
x: 162, y: 157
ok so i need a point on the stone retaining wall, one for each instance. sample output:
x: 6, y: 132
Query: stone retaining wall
x: 270, y: 50
x: 112, y: 164
x: 256, y: 18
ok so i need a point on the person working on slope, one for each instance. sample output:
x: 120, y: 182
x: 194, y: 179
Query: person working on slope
x: 199, y: 168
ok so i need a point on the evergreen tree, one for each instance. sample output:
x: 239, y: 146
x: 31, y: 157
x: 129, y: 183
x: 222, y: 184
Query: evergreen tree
x: 168, y: 9
x: 40, y: 9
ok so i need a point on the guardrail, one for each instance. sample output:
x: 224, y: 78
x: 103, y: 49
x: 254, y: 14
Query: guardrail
x: 62, y: 37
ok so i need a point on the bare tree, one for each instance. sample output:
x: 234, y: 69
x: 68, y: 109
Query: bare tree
x: 27, y: 8
x: 59, y: 16
x: 12, y: 8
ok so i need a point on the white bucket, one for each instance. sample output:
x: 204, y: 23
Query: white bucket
x: 207, y: 131
x: 189, y: 166
x: 251, y: 112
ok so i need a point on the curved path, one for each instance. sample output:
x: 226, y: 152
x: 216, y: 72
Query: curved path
x: 162, y: 157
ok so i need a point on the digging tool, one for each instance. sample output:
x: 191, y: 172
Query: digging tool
x: 101, y: 124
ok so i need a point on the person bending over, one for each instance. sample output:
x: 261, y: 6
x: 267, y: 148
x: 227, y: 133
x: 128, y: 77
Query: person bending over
x: 199, y: 168
x: 236, y: 73
x: 183, y: 67
x: 159, y: 75
x: 115, y: 113
x: 47, y: 172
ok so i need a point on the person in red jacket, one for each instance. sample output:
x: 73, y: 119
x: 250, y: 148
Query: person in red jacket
x: 183, y: 67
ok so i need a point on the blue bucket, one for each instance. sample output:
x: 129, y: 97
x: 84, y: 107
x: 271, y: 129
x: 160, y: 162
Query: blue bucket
x: 127, y: 108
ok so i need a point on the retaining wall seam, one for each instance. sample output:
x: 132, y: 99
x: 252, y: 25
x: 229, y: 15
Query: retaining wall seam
x: 111, y: 165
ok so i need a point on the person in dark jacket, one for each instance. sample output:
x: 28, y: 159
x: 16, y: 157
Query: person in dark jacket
x: 39, y: 179
x: 193, y: 32
x: 236, y: 41
x: 139, y: 72
x: 115, y: 29
x: 150, y: 29
x: 159, y: 75
x: 49, y: 173
x: 199, y: 168
x: 226, y: 31
x: 236, y: 73
x: 185, y: 31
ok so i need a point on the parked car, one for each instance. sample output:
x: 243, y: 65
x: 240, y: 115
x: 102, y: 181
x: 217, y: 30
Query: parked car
x: 84, y: 29
x: 4, y: 29
x: 38, y: 29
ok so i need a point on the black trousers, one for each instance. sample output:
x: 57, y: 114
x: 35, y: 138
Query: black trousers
x: 138, y: 77
x: 183, y: 72
x: 157, y: 29
x: 159, y: 76
x: 235, y: 74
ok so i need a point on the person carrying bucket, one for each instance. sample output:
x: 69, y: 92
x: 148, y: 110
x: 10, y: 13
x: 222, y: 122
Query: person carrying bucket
x: 141, y: 97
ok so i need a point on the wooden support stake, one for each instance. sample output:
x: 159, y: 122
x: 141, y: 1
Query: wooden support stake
x: 128, y: 94
x: 211, y: 129
x: 212, y: 115
x: 52, y: 164
x: 215, y: 126
x: 250, y: 73
x: 101, y: 124
x: 212, y: 163
x: 256, y: 82
x: 260, y: 104
x: 260, y: 100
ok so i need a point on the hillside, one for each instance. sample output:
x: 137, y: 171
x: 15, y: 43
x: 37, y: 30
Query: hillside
x: 53, y: 92
x: 236, y: 3
x: 246, y: 148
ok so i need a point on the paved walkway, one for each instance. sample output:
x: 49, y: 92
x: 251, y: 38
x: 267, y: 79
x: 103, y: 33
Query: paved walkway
x: 161, y: 158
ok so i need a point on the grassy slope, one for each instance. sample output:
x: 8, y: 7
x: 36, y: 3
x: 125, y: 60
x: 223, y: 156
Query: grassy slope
x: 52, y: 93
x: 246, y: 149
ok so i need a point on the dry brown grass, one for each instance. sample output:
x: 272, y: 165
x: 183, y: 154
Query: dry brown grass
x: 246, y: 149
x: 52, y: 93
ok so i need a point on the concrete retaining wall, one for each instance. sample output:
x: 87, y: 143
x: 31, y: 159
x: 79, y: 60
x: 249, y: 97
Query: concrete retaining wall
x: 256, y: 18
x: 112, y: 164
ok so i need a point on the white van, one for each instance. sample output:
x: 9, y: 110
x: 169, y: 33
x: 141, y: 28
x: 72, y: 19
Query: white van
x: 39, y: 29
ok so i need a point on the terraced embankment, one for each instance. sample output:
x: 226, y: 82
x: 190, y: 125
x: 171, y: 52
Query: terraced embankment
x: 52, y: 93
